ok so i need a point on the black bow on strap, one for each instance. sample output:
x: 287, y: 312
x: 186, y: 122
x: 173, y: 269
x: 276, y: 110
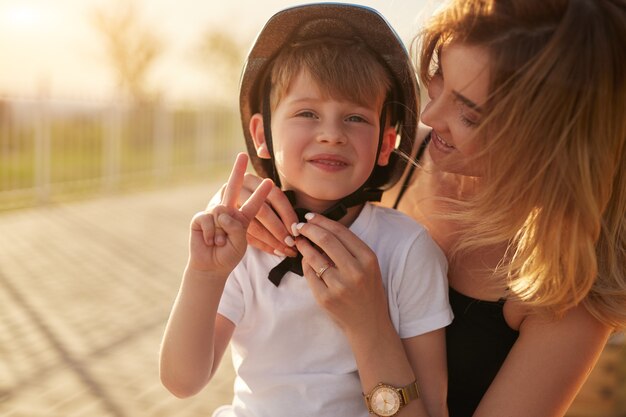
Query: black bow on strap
x: 335, y: 212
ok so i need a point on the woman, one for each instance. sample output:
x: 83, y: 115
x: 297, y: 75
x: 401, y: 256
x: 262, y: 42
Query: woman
x: 522, y: 182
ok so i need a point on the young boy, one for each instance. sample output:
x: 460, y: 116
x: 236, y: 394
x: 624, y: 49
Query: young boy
x: 327, y: 91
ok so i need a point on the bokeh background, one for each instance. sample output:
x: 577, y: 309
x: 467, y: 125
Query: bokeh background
x: 118, y: 121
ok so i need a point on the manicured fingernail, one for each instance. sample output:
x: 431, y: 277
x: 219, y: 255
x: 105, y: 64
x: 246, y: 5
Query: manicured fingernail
x: 289, y: 241
x: 294, y: 230
x: 279, y: 253
x: 309, y: 216
x: 299, y: 226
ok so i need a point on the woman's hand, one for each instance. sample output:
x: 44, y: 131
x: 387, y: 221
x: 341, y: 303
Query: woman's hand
x: 345, y: 279
x: 271, y: 230
x: 350, y: 289
x: 217, y: 239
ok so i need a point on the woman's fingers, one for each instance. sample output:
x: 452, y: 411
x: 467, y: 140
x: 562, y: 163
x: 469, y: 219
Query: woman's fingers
x: 235, y: 181
x: 274, y: 232
x: 317, y: 284
x: 279, y: 215
x: 287, y: 216
x: 254, y: 203
x: 259, y: 237
x: 274, y: 219
x: 351, y: 242
x: 328, y: 242
x: 316, y: 267
x: 325, y: 277
x: 354, y: 261
x: 259, y: 244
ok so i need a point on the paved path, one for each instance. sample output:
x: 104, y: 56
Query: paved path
x: 85, y: 290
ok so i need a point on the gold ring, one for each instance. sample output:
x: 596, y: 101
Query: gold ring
x: 322, y: 270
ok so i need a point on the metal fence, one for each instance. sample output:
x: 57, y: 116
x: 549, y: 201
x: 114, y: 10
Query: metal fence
x: 53, y: 149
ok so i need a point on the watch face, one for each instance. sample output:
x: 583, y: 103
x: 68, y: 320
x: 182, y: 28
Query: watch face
x: 385, y: 401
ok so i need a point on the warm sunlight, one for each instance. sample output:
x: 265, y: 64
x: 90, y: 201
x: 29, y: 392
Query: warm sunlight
x: 54, y: 46
x: 21, y: 16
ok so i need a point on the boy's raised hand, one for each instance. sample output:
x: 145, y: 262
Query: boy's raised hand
x: 217, y: 240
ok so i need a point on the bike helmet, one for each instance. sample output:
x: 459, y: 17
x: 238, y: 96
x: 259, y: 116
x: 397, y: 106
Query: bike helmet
x: 322, y: 20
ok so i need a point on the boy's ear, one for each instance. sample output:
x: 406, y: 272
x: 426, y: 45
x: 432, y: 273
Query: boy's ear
x: 388, y: 145
x: 258, y: 136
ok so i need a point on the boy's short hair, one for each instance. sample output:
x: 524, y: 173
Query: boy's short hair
x: 342, y: 68
x: 373, y: 54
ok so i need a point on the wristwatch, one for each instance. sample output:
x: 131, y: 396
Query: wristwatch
x: 385, y: 400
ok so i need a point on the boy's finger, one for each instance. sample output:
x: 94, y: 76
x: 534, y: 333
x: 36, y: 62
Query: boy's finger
x: 252, y: 205
x: 231, y: 226
x: 235, y: 181
x: 218, y: 233
x: 219, y: 236
x: 202, y: 223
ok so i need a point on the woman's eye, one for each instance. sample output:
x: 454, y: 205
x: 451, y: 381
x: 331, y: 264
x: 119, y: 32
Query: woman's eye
x: 468, y: 122
x: 467, y: 117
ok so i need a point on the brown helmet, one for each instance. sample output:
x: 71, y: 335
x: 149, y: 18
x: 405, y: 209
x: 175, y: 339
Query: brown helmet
x: 311, y: 21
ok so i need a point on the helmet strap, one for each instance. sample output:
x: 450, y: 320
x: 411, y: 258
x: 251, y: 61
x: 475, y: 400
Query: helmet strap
x: 364, y: 193
x: 267, y: 129
x: 361, y: 195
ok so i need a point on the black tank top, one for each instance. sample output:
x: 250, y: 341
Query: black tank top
x: 477, y: 341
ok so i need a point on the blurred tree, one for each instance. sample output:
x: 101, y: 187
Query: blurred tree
x: 223, y: 56
x: 132, y: 49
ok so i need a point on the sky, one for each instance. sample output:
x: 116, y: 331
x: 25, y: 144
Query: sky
x: 50, y: 47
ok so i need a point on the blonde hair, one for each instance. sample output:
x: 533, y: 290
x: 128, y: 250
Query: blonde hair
x: 342, y: 68
x: 553, y: 146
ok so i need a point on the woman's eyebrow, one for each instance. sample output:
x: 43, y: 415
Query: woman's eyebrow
x: 466, y: 101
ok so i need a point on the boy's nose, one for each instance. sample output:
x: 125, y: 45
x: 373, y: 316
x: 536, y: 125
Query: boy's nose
x: 331, y: 133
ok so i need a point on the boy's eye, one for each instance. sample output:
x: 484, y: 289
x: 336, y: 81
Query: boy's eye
x: 355, y: 118
x: 307, y: 114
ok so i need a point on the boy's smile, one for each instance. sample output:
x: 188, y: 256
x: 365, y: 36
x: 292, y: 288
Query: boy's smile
x: 329, y: 162
x: 324, y: 147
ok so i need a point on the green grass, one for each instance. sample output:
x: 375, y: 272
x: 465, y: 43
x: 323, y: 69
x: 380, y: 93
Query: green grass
x: 83, y: 153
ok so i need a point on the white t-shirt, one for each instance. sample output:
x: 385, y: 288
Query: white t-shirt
x: 289, y: 356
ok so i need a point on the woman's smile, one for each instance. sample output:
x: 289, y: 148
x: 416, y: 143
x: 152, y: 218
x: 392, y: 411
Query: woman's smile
x: 441, y: 144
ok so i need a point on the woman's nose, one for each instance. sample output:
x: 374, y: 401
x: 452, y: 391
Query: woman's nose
x: 428, y: 114
x: 432, y: 115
